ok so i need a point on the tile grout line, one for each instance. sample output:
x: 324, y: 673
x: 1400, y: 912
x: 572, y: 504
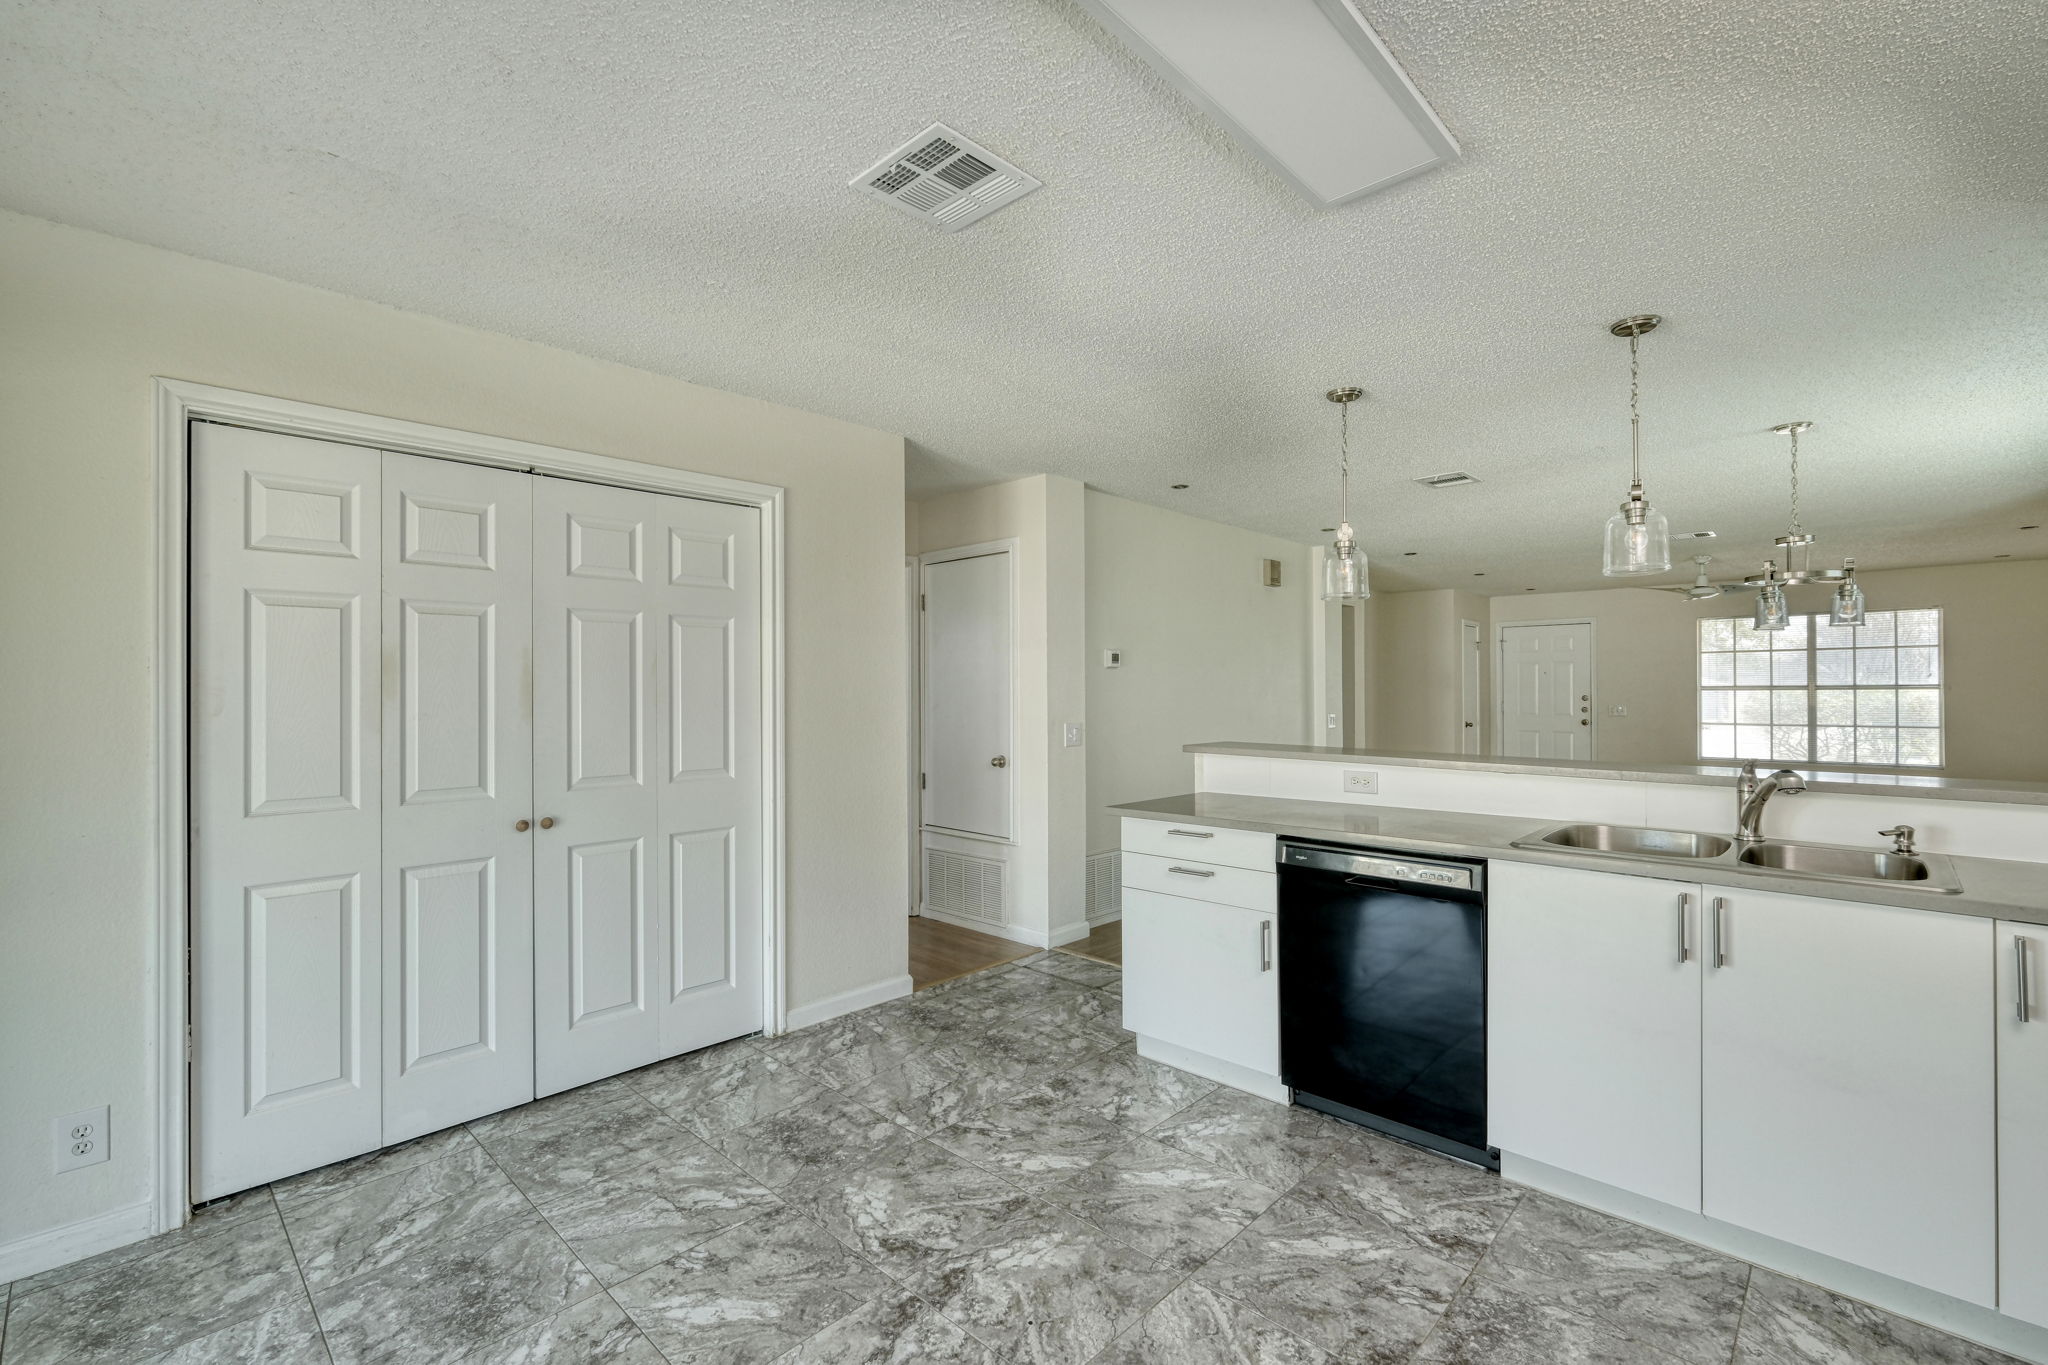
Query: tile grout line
x: 319, y: 1327
x: 1742, y: 1315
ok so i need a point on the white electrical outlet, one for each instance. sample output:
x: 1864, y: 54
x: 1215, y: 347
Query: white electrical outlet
x: 1361, y: 780
x: 80, y: 1138
x: 1073, y: 735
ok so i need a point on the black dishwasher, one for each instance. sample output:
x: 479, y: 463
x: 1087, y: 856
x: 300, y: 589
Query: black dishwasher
x: 1383, y: 992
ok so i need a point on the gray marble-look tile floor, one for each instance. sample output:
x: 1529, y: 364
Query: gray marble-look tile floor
x: 986, y: 1172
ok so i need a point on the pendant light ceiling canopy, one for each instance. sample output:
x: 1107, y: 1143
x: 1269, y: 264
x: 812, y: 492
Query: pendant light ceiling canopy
x: 1638, y: 537
x: 1344, y: 566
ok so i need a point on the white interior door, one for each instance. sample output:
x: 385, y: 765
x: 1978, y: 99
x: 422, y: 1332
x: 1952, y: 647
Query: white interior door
x: 286, y: 854
x: 1546, y: 686
x: 596, y: 652
x: 458, y: 783
x: 966, y: 689
x: 1469, y: 652
x: 710, y: 829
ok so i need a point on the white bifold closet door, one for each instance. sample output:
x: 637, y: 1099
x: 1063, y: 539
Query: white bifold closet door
x: 647, y: 693
x: 397, y: 661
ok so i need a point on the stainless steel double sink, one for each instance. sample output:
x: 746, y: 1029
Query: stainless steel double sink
x: 1783, y: 857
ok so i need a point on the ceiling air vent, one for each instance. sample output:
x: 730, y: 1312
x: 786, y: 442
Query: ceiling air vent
x: 1457, y: 480
x: 941, y: 178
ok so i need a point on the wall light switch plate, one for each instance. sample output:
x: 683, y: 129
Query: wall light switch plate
x: 1073, y: 737
x: 1361, y: 780
x: 1617, y: 710
x: 80, y: 1139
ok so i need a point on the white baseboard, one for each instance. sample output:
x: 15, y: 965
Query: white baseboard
x: 1014, y: 932
x: 1969, y: 1320
x: 1097, y: 921
x: 846, y: 1002
x: 1070, y: 933
x: 40, y: 1251
x: 1232, y: 1074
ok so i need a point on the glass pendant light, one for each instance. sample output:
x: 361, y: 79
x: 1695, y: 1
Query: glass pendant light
x: 1344, y: 570
x: 1848, y: 605
x: 1771, y: 611
x: 1638, y: 537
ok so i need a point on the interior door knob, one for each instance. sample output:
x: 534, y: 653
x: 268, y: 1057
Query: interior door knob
x: 544, y: 823
x: 547, y: 822
x: 523, y: 825
x: 999, y: 761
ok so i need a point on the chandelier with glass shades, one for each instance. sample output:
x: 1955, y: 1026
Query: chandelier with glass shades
x: 1772, y: 613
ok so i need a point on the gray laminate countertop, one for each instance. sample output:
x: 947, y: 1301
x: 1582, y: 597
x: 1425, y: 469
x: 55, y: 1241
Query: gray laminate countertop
x: 1818, y: 778
x: 1993, y: 888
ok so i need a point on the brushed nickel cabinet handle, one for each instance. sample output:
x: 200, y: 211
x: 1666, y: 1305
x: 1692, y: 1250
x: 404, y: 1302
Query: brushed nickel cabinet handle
x: 1193, y: 833
x: 1265, y: 945
x: 1190, y: 872
x: 1720, y: 947
x: 1684, y: 914
x: 2025, y: 1006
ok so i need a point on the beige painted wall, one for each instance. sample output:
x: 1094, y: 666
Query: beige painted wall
x: 1996, y: 654
x: 1044, y: 514
x: 1643, y: 639
x: 1410, y: 674
x: 85, y: 321
x: 1209, y: 651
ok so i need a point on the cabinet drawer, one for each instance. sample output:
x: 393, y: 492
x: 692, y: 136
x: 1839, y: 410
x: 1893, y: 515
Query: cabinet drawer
x: 1205, y: 843
x: 1202, y: 881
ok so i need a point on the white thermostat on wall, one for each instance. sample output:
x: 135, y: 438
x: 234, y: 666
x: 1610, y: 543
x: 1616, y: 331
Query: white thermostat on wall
x: 1112, y: 658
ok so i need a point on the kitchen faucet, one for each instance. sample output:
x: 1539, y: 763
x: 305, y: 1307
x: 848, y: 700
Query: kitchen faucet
x: 1751, y: 795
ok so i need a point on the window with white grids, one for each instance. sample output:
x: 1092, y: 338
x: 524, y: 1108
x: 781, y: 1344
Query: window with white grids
x: 1816, y: 693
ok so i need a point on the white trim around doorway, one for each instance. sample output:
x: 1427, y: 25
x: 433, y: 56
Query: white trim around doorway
x: 178, y: 403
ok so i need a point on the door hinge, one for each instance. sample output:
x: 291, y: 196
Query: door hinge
x: 920, y: 781
x: 920, y: 601
x: 188, y: 1042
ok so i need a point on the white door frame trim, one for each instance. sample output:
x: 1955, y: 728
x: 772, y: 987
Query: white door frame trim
x: 1012, y: 547
x: 1500, y: 699
x: 178, y: 403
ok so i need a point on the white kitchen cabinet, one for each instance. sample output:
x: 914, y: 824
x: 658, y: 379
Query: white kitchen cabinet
x: 1847, y: 1090
x: 2021, y: 953
x: 1201, y: 977
x: 1593, y: 1039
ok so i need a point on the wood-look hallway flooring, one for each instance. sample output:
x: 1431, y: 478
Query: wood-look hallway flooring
x: 945, y: 952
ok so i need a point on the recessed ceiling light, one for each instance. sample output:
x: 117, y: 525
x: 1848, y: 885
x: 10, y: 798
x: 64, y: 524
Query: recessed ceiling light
x: 1328, y: 529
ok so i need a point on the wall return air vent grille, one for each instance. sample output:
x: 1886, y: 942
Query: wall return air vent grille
x: 962, y: 884
x: 941, y: 178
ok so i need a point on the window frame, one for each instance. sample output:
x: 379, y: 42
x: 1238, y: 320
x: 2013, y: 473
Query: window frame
x: 1811, y: 626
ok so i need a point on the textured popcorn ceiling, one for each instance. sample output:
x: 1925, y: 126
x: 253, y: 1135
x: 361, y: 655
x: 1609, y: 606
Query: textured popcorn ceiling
x: 1842, y: 208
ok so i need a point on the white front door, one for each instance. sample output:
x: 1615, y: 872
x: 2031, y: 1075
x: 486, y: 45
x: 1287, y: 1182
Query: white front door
x: 646, y: 788
x: 1546, y: 687
x: 967, y: 694
x: 287, y: 865
x: 458, y: 782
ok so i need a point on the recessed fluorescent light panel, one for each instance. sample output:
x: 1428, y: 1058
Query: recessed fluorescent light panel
x: 1305, y: 85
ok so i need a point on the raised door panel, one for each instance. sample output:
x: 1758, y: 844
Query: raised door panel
x: 599, y: 639
x: 1848, y: 1091
x: 1593, y: 1026
x: 288, y: 897
x: 966, y: 695
x: 458, y: 936
x: 711, y: 935
x: 1201, y: 977
x: 2022, y: 967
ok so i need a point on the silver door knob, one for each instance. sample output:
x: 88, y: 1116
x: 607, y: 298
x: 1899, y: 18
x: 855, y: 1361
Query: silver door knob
x: 999, y: 761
